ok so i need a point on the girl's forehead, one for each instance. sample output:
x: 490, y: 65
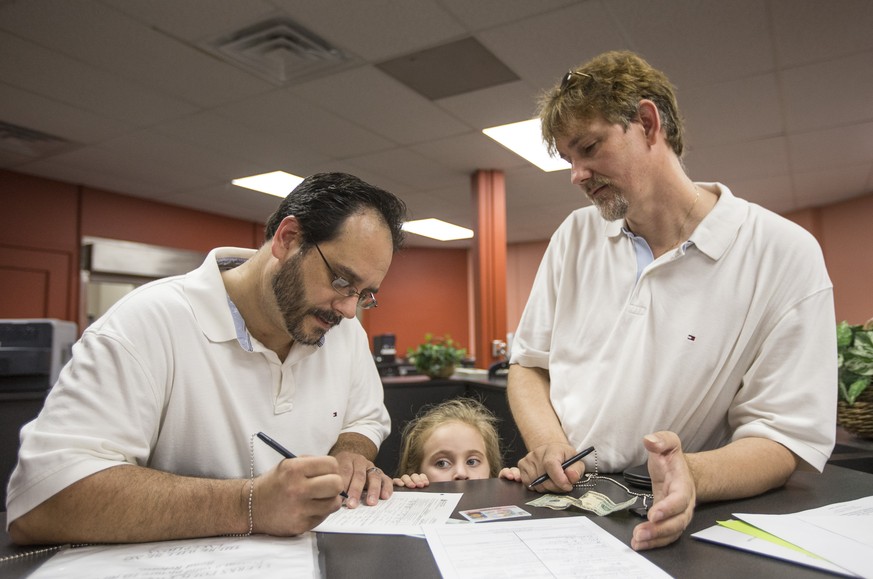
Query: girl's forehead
x: 454, y: 433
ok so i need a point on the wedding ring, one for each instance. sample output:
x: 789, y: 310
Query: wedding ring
x: 373, y: 469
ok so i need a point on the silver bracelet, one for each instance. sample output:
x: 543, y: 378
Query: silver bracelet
x: 251, y: 490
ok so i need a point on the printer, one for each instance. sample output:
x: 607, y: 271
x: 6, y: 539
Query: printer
x: 32, y: 352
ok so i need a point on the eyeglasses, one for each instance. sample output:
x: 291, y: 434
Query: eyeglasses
x: 568, y: 79
x: 341, y: 285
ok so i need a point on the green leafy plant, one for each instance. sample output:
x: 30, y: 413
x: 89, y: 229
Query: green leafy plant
x: 854, y: 359
x: 436, y: 356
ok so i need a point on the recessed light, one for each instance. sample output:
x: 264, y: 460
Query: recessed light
x: 525, y: 138
x: 437, y: 229
x: 278, y: 183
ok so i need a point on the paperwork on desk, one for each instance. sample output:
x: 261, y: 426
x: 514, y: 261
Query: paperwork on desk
x: 836, y: 538
x: 256, y: 556
x: 559, y: 547
x: 403, y: 514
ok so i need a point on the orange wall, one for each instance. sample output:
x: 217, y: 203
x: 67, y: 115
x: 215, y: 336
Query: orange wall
x: 39, y: 248
x: 426, y: 290
x: 522, y: 262
x: 845, y: 232
x: 133, y: 219
x: 42, y: 223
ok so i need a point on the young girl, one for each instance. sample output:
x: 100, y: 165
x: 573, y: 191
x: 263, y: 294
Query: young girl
x: 454, y: 440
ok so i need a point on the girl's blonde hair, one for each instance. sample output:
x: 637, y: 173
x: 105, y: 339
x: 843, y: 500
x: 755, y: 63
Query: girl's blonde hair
x: 464, y: 410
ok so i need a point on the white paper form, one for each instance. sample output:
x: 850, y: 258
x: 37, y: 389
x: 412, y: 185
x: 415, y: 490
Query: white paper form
x: 745, y: 542
x: 257, y: 556
x: 403, y: 514
x: 842, y: 533
x: 561, y: 547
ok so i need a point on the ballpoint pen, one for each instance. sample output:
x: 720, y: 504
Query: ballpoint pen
x: 286, y: 453
x: 542, y: 478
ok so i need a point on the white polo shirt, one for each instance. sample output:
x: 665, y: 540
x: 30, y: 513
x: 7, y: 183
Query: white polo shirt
x: 730, y: 336
x: 162, y: 381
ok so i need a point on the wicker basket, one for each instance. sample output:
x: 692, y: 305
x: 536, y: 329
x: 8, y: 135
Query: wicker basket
x: 858, y: 418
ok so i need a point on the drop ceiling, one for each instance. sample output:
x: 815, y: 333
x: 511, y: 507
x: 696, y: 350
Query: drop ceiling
x: 135, y: 97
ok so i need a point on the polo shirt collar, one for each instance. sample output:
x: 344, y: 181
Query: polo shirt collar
x: 207, y: 295
x: 718, y: 229
x: 217, y: 315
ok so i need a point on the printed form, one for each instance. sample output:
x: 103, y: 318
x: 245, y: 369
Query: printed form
x: 561, y: 547
x: 403, y: 514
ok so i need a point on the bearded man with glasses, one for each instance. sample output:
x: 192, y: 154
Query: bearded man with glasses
x: 148, y: 433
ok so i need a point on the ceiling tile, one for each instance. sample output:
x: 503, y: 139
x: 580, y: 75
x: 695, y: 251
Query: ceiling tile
x: 774, y: 193
x: 469, y: 152
x: 360, y: 96
x: 809, y: 93
x: 748, y: 108
x: 809, y: 31
x: 574, y: 35
x: 283, y: 113
x: 62, y: 120
x: 195, y: 20
x: 739, y: 161
x: 405, y: 26
x: 270, y: 151
x: 37, y: 70
x: 489, y: 13
x: 408, y: 168
x: 833, y: 184
x: 839, y: 147
x: 516, y: 101
x: 709, y: 40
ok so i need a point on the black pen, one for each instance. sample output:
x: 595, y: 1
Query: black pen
x: 542, y: 478
x: 285, y: 452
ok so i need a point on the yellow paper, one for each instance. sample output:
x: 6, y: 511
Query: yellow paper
x: 748, y: 529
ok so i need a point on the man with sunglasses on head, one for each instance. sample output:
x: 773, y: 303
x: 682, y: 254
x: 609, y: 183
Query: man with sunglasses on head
x: 148, y: 434
x: 670, y: 323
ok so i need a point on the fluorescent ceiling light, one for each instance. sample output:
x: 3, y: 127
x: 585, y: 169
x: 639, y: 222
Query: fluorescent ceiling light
x: 278, y: 183
x: 437, y: 229
x: 525, y: 138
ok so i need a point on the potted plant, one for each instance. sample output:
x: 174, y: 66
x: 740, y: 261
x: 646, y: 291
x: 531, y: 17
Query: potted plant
x: 436, y: 357
x: 855, y: 363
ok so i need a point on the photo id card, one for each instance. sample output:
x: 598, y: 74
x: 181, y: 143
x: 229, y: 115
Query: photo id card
x: 494, y: 513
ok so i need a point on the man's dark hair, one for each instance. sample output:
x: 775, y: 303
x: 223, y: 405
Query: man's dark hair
x: 323, y: 202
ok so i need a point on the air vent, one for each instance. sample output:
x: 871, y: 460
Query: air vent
x: 30, y: 142
x: 280, y: 51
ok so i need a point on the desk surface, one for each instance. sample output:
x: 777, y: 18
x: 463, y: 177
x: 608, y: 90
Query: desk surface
x: 365, y: 556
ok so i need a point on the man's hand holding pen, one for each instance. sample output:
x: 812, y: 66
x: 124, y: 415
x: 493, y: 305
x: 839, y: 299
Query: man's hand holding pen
x: 548, y: 459
x: 296, y: 495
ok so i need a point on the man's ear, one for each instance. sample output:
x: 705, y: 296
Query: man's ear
x: 650, y: 119
x: 287, y: 238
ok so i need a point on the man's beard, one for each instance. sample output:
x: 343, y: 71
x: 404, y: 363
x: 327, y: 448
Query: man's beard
x: 611, y: 203
x: 290, y: 295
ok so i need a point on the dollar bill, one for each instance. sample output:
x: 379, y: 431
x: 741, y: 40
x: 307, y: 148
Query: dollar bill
x: 591, y: 501
x: 554, y: 502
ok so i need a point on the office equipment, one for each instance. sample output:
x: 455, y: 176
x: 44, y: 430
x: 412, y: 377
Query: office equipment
x: 32, y: 352
x: 384, y: 348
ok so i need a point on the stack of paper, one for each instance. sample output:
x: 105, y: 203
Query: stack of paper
x: 836, y: 538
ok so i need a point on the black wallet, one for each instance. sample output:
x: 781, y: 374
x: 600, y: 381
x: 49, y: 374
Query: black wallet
x: 638, y: 476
